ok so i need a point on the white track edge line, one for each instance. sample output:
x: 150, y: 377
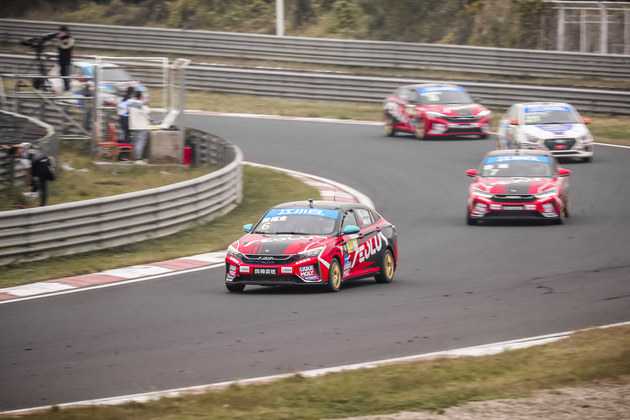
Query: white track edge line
x: 481, y: 350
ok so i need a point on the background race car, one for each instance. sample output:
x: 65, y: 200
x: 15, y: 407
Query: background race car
x: 435, y: 110
x: 518, y: 184
x: 553, y: 126
x: 321, y: 243
x: 114, y: 83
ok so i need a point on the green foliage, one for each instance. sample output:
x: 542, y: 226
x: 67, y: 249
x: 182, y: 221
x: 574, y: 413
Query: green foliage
x: 498, y: 23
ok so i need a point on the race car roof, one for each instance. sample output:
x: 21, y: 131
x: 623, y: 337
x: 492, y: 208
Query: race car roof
x: 334, y: 205
x: 532, y: 152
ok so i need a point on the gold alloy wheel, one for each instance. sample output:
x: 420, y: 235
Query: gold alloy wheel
x: 389, y: 265
x: 420, y: 129
x: 334, y: 276
x: 388, y: 128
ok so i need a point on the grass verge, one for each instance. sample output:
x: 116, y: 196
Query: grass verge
x: 587, y: 357
x: 262, y: 189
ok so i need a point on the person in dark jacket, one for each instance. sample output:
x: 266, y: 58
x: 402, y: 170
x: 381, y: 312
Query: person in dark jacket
x: 65, y: 42
x: 39, y: 170
x: 122, y: 108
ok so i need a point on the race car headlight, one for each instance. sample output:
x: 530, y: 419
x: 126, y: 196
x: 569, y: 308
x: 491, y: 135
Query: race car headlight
x: 314, y: 252
x: 548, y: 193
x: 481, y: 193
x: 585, y: 138
x: 484, y: 113
x: 531, y: 138
x: 433, y: 114
x: 234, y: 252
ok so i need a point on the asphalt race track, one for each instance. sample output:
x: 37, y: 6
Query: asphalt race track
x: 456, y: 285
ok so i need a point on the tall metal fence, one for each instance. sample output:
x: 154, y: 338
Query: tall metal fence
x: 588, y: 26
x: 88, y: 225
x: 360, y: 53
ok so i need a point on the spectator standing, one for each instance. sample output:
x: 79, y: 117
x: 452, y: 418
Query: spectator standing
x: 65, y: 43
x: 139, y: 121
x: 122, y: 108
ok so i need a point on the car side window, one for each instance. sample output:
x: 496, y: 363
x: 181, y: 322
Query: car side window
x: 365, y: 217
x: 349, y: 219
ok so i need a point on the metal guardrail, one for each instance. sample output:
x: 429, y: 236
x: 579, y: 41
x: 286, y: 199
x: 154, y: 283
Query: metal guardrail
x: 499, y: 61
x: 338, y: 86
x: 17, y: 128
x: 100, y: 223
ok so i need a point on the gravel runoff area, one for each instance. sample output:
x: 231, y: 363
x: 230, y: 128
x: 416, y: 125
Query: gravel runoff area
x: 608, y: 401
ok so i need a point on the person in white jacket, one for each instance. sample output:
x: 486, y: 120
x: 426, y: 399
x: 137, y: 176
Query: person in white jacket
x: 139, y: 122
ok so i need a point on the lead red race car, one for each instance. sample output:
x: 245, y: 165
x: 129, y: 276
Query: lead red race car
x: 435, y: 111
x: 313, y: 243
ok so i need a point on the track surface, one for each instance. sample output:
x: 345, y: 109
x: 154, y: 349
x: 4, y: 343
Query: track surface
x: 456, y: 285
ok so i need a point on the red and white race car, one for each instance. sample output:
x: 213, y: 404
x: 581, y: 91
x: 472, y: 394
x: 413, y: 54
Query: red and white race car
x: 313, y: 243
x: 518, y: 184
x: 435, y: 110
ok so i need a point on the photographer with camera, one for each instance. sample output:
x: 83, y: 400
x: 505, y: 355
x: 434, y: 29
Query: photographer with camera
x: 65, y: 42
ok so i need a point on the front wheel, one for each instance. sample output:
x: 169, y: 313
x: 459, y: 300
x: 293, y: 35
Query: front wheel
x: 334, y: 277
x: 235, y: 288
x: 386, y: 273
x: 420, y: 130
x: 388, y: 128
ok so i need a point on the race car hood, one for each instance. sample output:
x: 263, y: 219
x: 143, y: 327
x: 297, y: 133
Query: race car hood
x: 277, y: 244
x: 515, y: 185
x: 552, y: 131
x: 455, y: 110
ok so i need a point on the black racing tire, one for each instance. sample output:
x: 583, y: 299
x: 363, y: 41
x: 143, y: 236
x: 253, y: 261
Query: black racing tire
x: 235, y: 288
x: 471, y: 221
x: 334, y: 276
x: 483, y: 136
x: 420, y: 130
x: 587, y: 159
x: 388, y: 266
x: 388, y: 128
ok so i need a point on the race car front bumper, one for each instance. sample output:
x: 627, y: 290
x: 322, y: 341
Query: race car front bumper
x: 306, y: 271
x: 482, y: 208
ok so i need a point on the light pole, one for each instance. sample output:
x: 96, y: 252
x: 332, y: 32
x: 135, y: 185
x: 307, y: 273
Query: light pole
x: 280, y: 17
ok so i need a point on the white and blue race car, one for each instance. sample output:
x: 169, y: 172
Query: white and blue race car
x: 553, y: 126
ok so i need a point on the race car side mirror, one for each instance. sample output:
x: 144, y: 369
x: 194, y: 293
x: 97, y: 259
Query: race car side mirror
x: 563, y: 172
x: 586, y: 120
x: 248, y: 227
x: 513, y: 122
x: 471, y: 172
x: 351, y: 229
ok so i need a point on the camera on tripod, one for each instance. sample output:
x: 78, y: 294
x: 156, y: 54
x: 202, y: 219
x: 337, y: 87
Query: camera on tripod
x: 37, y: 43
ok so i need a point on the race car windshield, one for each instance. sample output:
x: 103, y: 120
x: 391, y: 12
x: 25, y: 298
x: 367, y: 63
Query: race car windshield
x: 517, y: 166
x: 564, y: 116
x: 444, y: 97
x: 298, y: 221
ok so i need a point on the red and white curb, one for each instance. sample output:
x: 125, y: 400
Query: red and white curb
x: 476, y: 351
x: 328, y: 189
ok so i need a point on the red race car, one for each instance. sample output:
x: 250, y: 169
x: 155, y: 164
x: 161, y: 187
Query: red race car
x: 313, y: 243
x: 518, y: 184
x: 435, y: 110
